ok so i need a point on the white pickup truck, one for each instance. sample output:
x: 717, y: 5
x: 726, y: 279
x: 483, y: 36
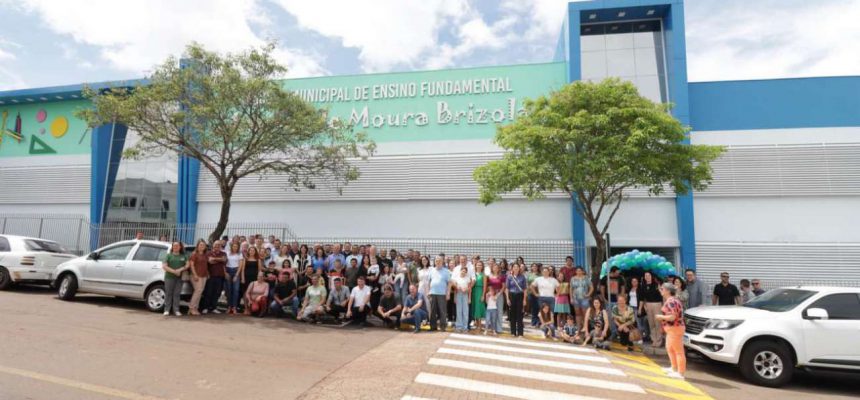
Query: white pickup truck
x: 783, y: 329
x: 29, y: 260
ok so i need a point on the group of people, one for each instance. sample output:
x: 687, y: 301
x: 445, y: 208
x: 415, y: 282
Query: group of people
x: 345, y: 282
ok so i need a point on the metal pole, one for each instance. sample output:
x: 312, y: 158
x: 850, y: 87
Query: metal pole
x: 41, y: 221
x: 4, y: 225
x: 80, y: 226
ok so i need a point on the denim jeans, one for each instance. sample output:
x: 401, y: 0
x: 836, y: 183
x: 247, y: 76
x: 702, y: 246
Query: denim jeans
x: 401, y: 290
x: 548, y: 330
x: 416, y: 319
x: 462, y: 300
x: 214, y: 286
x: 534, y: 308
x: 493, y: 320
x: 279, y: 311
x: 232, y: 287
x: 500, y: 304
x: 172, y: 291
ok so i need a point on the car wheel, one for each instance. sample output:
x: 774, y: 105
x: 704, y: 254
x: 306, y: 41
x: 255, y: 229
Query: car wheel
x: 155, y: 298
x: 5, y: 279
x: 68, y: 287
x: 767, y: 364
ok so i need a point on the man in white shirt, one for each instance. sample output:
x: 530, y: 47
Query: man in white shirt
x: 469, y: 267
x: 359, y: 303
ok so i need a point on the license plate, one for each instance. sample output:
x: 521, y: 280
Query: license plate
x: 686, y: 339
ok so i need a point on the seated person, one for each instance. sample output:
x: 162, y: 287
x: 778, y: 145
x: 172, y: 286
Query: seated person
x: 312, y: 304
x: 359, y: 303
x: 414, y: 308
x: 570, y: 332
x: 285, y: 295
x: 338, y: 300
x: 389, y: 308
x: 257, y: 296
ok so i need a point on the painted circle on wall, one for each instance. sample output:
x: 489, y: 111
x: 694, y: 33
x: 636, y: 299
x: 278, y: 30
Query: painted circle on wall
x: 41, y: 116
x: 59, y: 127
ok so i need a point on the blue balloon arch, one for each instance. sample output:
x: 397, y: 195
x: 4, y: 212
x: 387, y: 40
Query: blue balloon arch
x: 643, y: 260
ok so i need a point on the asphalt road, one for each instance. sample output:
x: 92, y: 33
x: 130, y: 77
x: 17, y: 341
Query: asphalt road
x: 106, y: 348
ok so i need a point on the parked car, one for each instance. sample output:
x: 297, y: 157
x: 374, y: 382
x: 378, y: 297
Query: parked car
x: 779, y: 331
x: 130, y: 269
x: 29, y: 260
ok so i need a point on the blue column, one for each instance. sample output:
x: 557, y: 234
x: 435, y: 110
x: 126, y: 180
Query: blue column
x: 186, y: 194
x: 106, y: 148
x: 574, y: 73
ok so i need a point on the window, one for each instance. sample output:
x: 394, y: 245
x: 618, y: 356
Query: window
x: 150, y: 253
x: 116, y: 252
x: 4, y: 244
x: 43, y: 245
x: 840, y: 306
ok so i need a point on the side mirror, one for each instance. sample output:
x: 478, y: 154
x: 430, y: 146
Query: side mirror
x: 816, y: 314
x: 93, y: 256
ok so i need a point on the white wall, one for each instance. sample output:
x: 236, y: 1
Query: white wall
x: 455, y: 219
x: 643, y: 222
x: 82, y: 209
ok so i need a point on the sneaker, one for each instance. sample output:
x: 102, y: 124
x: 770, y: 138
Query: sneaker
x: 667, y: 370
x: 215, y: 311
x: 675, y: 375
x: 178, y: 314
x: 166, y: 313
x: 204, y: 312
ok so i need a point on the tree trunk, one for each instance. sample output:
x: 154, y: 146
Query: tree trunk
x: 226, y: 195
x: 599, y: 257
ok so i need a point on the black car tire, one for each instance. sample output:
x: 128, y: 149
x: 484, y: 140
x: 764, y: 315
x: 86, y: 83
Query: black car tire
x: 767, y: 363
x: 68, y: 287
x: 5, y: 279
x: 155, y: 304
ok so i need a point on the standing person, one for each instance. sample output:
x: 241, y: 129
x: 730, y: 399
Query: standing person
x: 492, y: 311
x: 338, y: 300
x: 199, y: 276
x: 249, y: 268
x: 562, y: 298
x: 534, y: 307
x: 547, y: 321
x: 497, y: 281
x: 695, y: 289
x: 746, y: 291
x: 479, y: 308
x: 174, y: 264
x: 634, y: 299
x: 318, y: 260
x: 596, y: 325
x: 285, y: 295
x: 403, y: 278
x: 568, y: 271
x: 217, y: 260
x: 680, y: 290
x: 414, y: 308
x: 312, y: 305
x: 336, y: 255
x: 370, y: 267
x: 725, y: 294
x: 624, y: 321
x: 462, y: 297
x: 757, y: 290
x: 301, y: 260
x: 672, y: 317
x: 257, y: 296
x: 389, y: 308
x: 234, y: 259
x: 649, y: 304
x: 424, y: 277
x: 515, y: 292
x: 386, y: 277
x: 544, y: 287
x: 452, y: 305
x: 359, y: 303
x: 440, y: 292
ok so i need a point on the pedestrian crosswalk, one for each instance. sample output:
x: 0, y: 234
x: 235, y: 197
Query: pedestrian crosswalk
x: 476, y: 366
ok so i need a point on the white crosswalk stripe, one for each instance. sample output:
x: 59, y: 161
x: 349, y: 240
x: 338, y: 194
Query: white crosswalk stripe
x: 494, y: 388
x: 543, y: 376
x: 527, y: 343
x: 534, y: 361
x: 511, y: 349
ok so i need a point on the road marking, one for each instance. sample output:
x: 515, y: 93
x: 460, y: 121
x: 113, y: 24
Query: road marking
x: 681, y: 396
x: 533, y: 361
x: 77, y: 385
x: 483, y: 346
x: 543, y: 376
x: 525, y: 343
x: 656, y: 369
x: 494, y: 388
x: 673, y: 383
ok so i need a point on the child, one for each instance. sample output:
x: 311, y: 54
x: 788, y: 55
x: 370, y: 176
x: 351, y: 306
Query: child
x: 562, y: 299
x: 492, y: 311
x: 570, y: 332
x: 547, y: 321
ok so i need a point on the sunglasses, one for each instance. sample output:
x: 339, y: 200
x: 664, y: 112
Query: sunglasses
x: 724, y: 276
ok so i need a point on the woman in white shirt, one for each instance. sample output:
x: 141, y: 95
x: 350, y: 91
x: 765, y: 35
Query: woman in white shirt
x: 424, y: 276
x: 544, y: 287
x: 234, y: 257
x: 462, y: 284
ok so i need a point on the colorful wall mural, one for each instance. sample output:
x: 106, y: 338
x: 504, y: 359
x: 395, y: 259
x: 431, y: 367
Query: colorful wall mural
x: 49, y: 128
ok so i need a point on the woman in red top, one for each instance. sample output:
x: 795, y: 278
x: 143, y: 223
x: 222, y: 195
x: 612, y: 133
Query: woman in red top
x: 257, y: 296
x: 672, y: 318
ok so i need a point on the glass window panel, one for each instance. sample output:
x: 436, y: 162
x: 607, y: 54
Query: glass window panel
x: 594, y: 65
x: 592, y: 43
x: 620, y: 63
x: 646, y: 62
x: 619, y: 41
x: 649, y: 87
x: 645, y: 40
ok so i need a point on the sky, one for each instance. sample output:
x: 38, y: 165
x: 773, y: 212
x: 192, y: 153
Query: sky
x: 57, y: 42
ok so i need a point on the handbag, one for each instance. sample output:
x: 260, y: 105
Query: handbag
x: 635, y: 335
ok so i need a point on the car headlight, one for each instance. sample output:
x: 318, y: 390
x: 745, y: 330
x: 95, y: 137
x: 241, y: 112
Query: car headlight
x: 723, y: 323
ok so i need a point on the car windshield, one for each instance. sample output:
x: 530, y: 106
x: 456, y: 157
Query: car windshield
x: 780, y: 300
x: 43, y: 245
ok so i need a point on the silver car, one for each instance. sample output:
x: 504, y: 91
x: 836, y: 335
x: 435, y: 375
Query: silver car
x: 130, y: 269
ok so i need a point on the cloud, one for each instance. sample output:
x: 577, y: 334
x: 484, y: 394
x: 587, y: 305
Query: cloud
x: 772, y: 39
x: 135, y: 35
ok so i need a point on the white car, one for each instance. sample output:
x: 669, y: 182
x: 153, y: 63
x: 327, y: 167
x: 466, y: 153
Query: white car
x: 130, y: 269
x: 783, y: 329
x: 29, y: 260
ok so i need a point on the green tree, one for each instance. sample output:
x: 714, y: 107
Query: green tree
x: 232, y: 114
x: 595, y: 141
